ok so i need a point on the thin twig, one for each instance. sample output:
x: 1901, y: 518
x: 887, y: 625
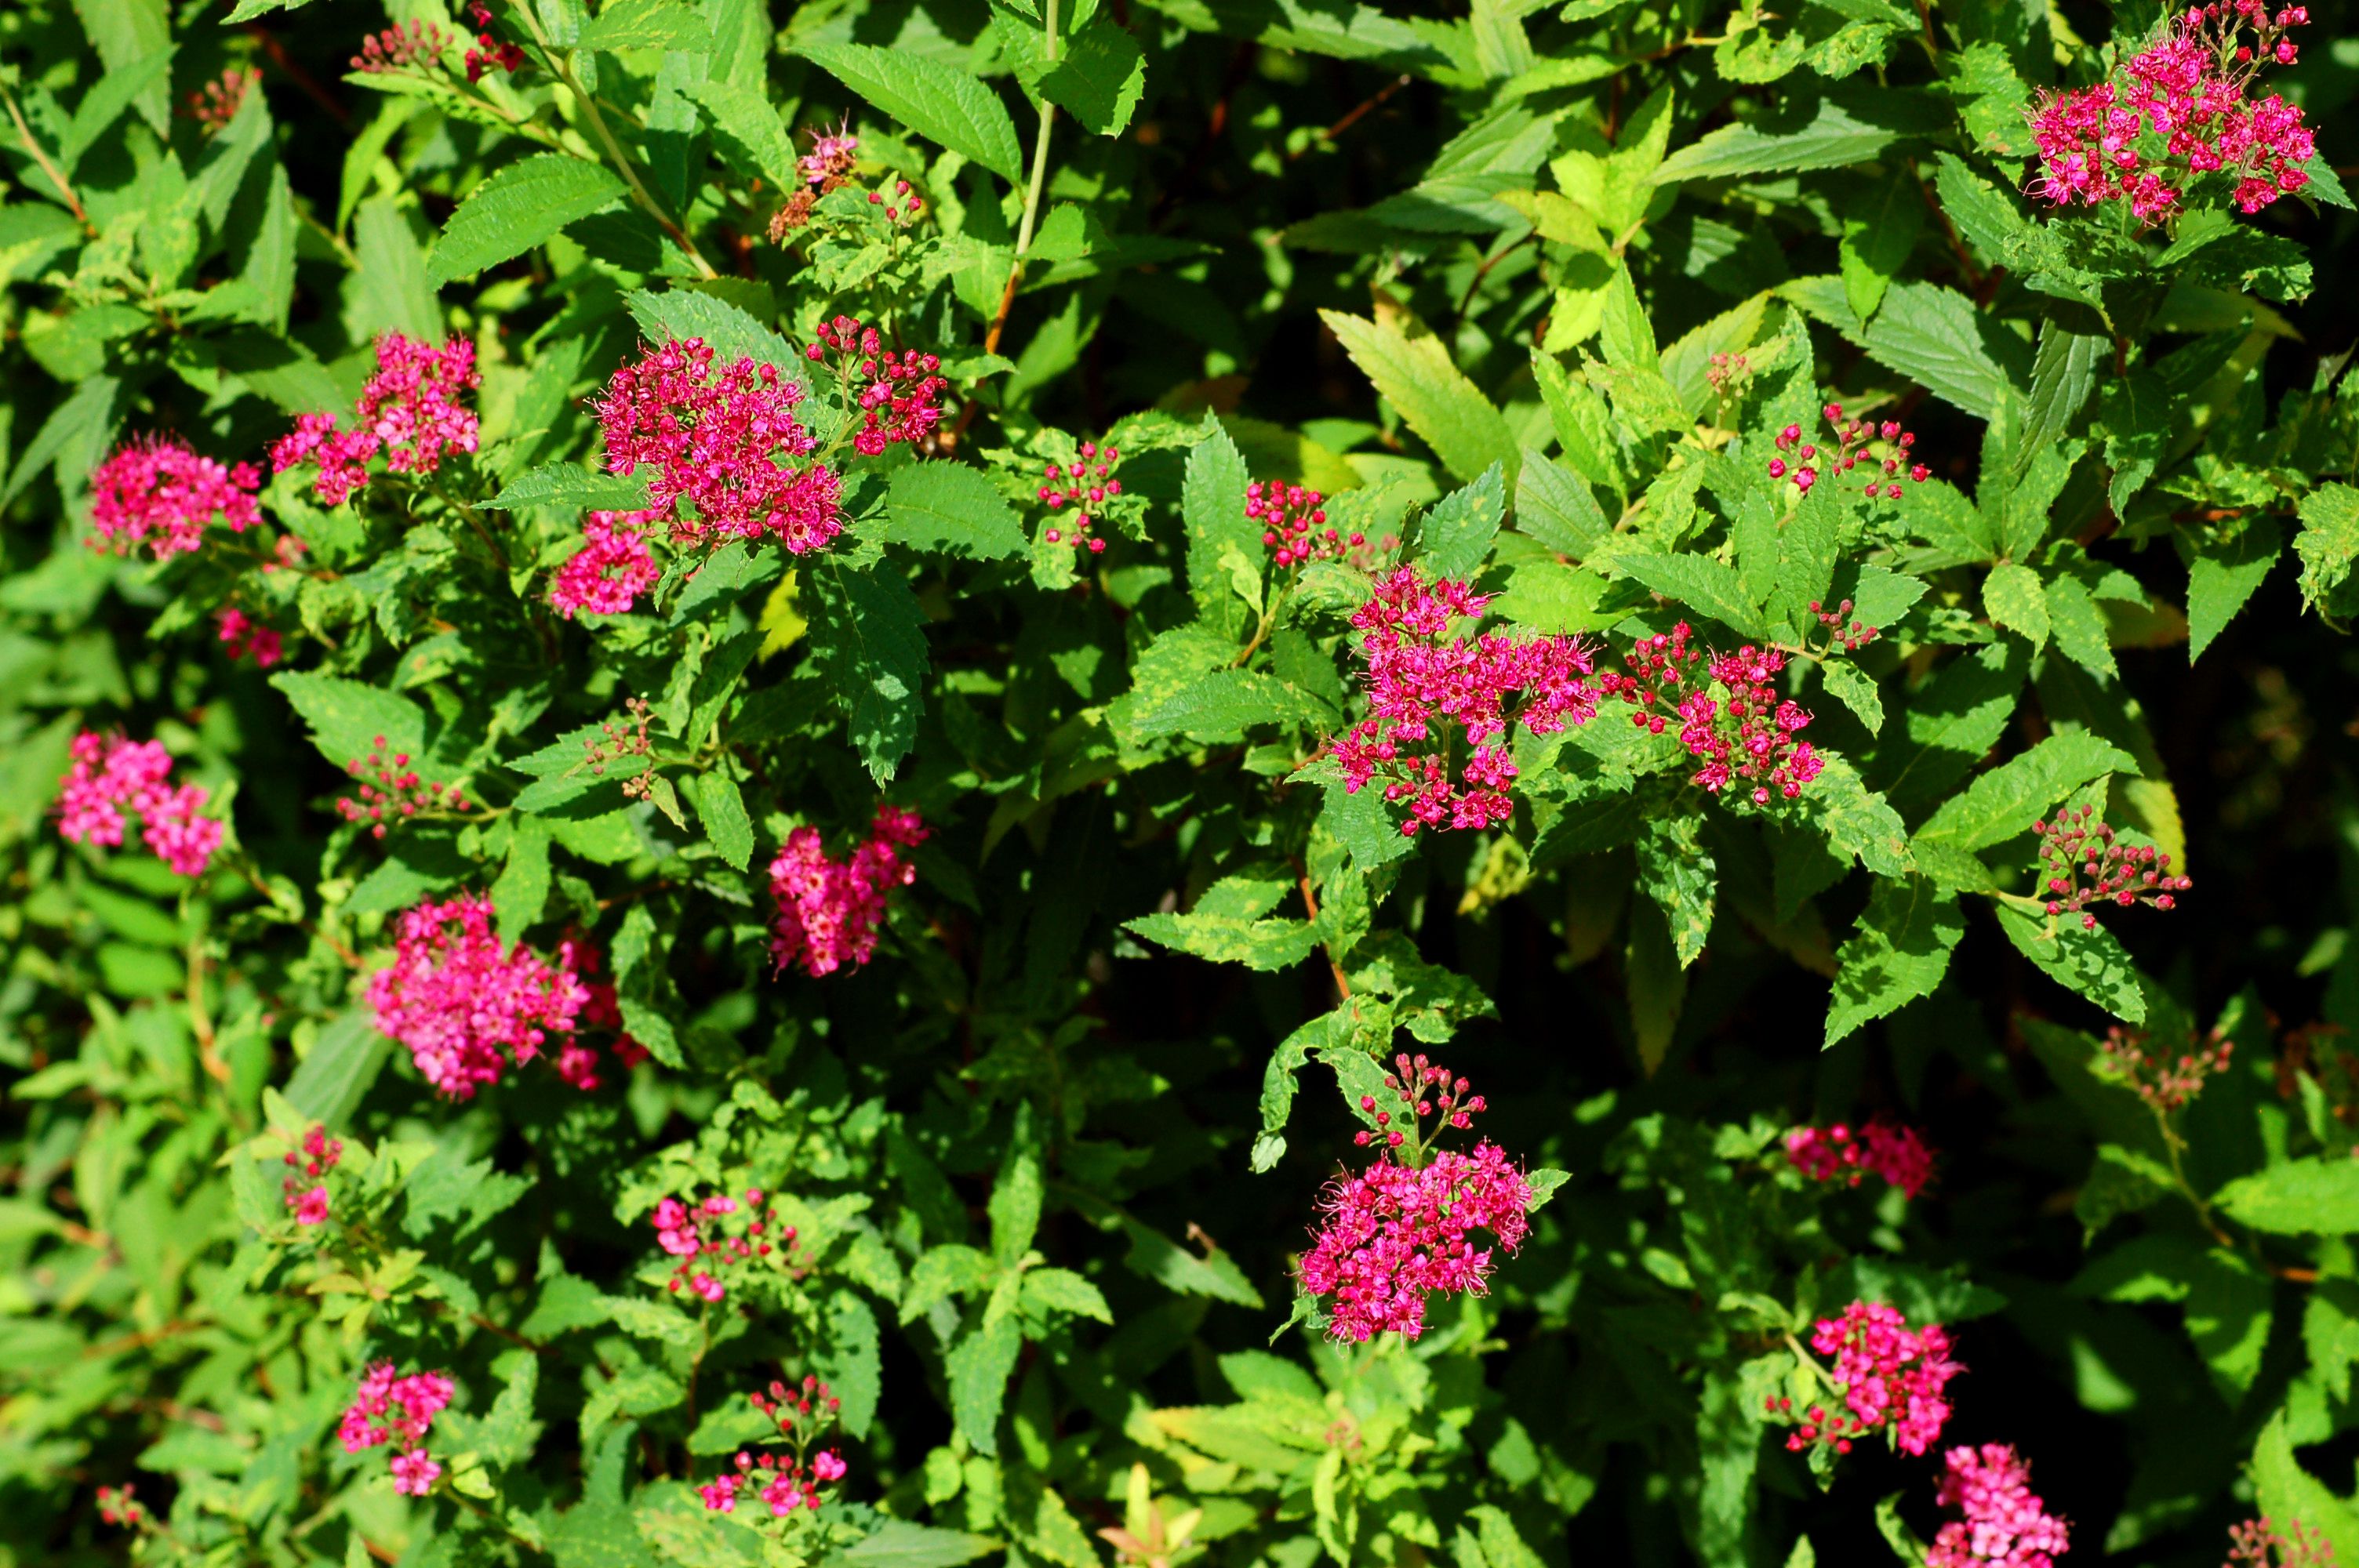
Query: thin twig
x: 57, y: 174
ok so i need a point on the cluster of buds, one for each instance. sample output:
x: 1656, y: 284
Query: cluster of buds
x: 391, y: 791
x: 613, y: 743
x: 248, y: 637
x: 398, y: 1410
x: 2073, y: 848
x: 1294, y: 524
x: 312, y: 1163
x: 216, y: 103
x: 901, y: 398
x: 692, y: 1232
x: 785, y: 1482
x: 1422, y: 1089
x: 489, y: 51
x: 1855, y: 441
x: 2164, y: 1081
x: 2262, y: 1543
x: 903, y: 206
x: 1888, y: 1377
x: 413, y: 47
x: 1850, y: 638
x: 1087, y: 486
x: 1745, y: 737
x: 116, y: 1505
x: 1727, y: 375
x: 1841, y: 1153
x: 826, y: 167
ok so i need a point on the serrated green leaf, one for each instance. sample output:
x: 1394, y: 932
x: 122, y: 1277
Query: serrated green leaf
x: 1855, y: 689
x: 521, y: 206
x: 348, y: 719
x: 872, y: 633
x: 643, y: 25
x: 1677, y: 872
x: 931, y: 97
x: 952, y: 508
x: 2090, y: 962
x: 2223, y: 574
x: 748, y: 131
x: 570, y: 487
x: 1449, y: 412
x: 329, y: 1084
x: 1898, y: 952
x: 678, y: 314
x: 2328, y: 544
x: 1938, y: 338
x: 2013, y: 598
x: 2312, y: 1196
x: 721, y: 808
x: 2003, y: 803
x: 1101, y: 77
x: 1709, y: 587
x: 1796, y: 138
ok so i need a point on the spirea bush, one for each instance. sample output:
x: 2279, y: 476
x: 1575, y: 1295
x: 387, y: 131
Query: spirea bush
x: 1111, y: 784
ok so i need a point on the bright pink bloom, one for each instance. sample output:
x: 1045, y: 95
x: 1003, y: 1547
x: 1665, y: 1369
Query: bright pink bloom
x: 1433, y: 696
x: 410, y: 412
x: 312, y: 1162
x: 1745, y: 736
x: 1890, y: 1378
x: 1088, y: 487
x: 717, y: 441
x: 2072, y: 847
x: 1855, y: 442
x: 712, y: 1243
x: 1840, y: 1152
x: 388, y: 1409
x: 2177, y: 111
x: 1294, y: 525
x: 828, y: 163
x: 247, y: 636
x: 612, y: 568
x: 829, y: 911
x: 391, y: 792
x: 414, y: 1474
x: 2004, y: 1524
x: 465, y: 1005
x: 112, y: 773
x: 785, y: 1482
x: 899, y: 395
x: 157, y: 492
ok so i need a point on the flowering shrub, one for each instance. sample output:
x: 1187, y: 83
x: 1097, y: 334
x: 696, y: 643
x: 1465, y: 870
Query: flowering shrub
x: 754, y: 755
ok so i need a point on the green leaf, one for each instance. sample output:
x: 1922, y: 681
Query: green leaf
x: 1898, y: 952
x: 936, y: 100
x: 2312, y: 1196
x: 747, y: 130
x: 1796, y: 138
x: 1449, y: 412
x: 2013, y: 597
x: 570, y: 487
x: 521, y: 206
x: 1016, y: 1199
x: 1949, y: 726
x: 1986, y: 217
x: 105, y: 103
x: 2079, y: 626
x: 394, y: 294
x: 1061, y: 1290
x: 2003, y: 803
x: 1877, y: 237
x: 897, y: 1544
x: 949, y: 507
x: 678, y: 314
x: 1224, y: 549
x: 2228, y: 1313
x: 978, y: 1366
x: 1677, y: 872
x: 851, y: 1361
x: 1938, y: 338
x: 1855, y: 689
x: 523, y: 886
x: 1455, y: 536
x: 125, y: 33
x: 2224, y: 573
x: 329, y: 1084
x: 1709, y: 587
x: 1858, y: 823
x: 643, y: 25
x: 872, y: 633
x: 721, y: 809
x: 1264, y: 945
x: 2287, y: 1491
x: 1101, y: 79
x: 2092, y: 963
x: 2328, y: 544
x: 347, y: 718
x: 2063, y: 373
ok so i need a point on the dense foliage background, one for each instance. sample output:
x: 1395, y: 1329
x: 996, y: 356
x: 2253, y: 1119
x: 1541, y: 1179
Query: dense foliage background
x: 1528, y: 294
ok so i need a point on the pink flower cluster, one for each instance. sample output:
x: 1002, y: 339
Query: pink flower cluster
x: 490, y: 53
x: 117, y: 1506
x: 2260, y: 1543
x: 829, y: 910
x: 785, y: 1482
x: 157, y: 492
x: 1397, y: 1232
x: 111, y: 773
x: 2072, y: 848
x: 2176, y: 113
x: 397, y: 1409
x: 1853, y: 439
x: 692, y: 1232
x: 712, y: 437
x: 410, y: 412
x: 1294, y: 524
x: 1085, y: 486
x: 312, y: 1162
x: 1884, y: 1149
x: 413, y: 46
x: 828, y: 163
x: 216, y: 103
x: 247, y: 636
x: 1427, y: 689
x: 2003, y: 1523
x: 899, y: 394
x: 391, y: 792
x: 1745, y: 736
x: 1890, y: 1378
x: 612, y: 568
x: 2167, y: 1083
x: 465, y: 1006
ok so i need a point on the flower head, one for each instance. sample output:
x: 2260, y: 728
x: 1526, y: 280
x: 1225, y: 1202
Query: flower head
x: 2003, y: 1523
x: 1888, y: 1376
x: 1078, y: 495
x: 612, y: 568
x: 249, y: 638
x: 829, y: 909
x: 2083, y: 863
x: 391, y: 791
x: 2165, y: 1080
x: 1731, y: 717
x: 409, y: 413
x: 899, y: 395
x: 2263, y: 1544
x: 1885, y: 448
x: 414, y: 47
x: 785, y: 1482
x: 717, y: 1237
x: 391, y: 1409
x: 110, y: 774
x: 312, y: 1162
x: 156, y: 491
x: 465, y: 1005
x: 1841, y: 1153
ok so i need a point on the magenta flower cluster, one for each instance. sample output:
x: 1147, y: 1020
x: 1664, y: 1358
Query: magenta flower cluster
x: 784, y: 1482
x: 466, y: 1006
x: 2177, y: 111
x: 829, y: 909
x: 1889, y: 1377
x: 1294, y: 524
x: 157, y: 492
x: 612, y: 568
x: 713, y: 434
x: 410, y: 413
x: 2002, y: 1523
x: 693, y: 1231
x: 1855, y: 442
x: 2080, y: 864
x: 246, y: 637
x: 1085, y: 486
x: 1745, y: 736
x: 1434, y: 695
x: 391, y: 791
x: 899, y: 395
x: 1399, y: 1231
x: 1841, y: 1153
x: 398, y: 1409
x: 312, y: 1163
x: 111, y: 774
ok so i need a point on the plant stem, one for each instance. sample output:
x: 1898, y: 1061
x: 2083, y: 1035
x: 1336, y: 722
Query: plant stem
x: 56, y: 176
x: 1037, y: 182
